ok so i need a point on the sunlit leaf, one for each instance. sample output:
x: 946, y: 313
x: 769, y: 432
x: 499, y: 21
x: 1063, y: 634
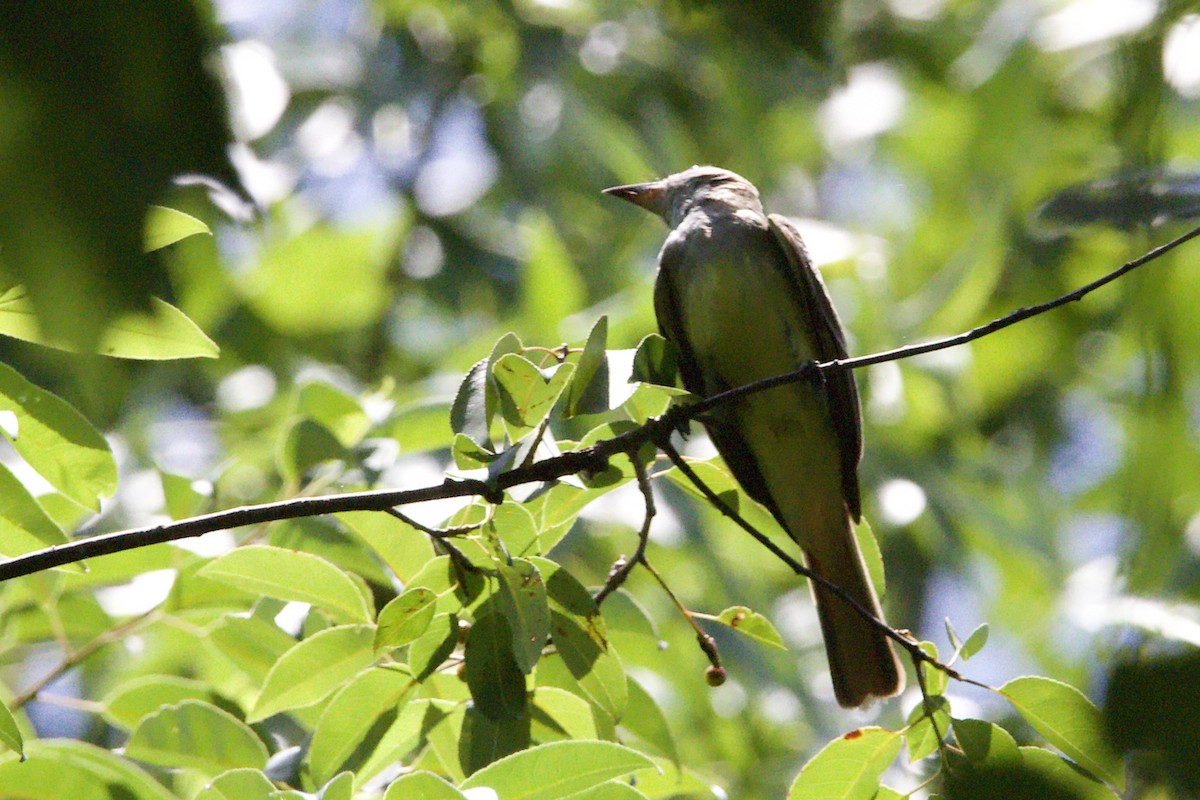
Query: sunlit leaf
x: 349, y: 727
x: 849, y: 767
x: 239, y: 784
x: 1068, y: 720
x: 197, y: 735
x: 538, y: 774
x: 928, y: 726
x: 57, y: 441
x: 405, y: 617
x: 291, y: 575
x: 166, y: 226
x: 424, y: 785
x: 588, y: 392
x: 315, y: 668
x: 61, y: 768
x: 10, y: 735
x: 749, y: 623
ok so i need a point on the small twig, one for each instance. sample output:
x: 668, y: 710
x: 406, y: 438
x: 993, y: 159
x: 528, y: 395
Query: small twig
x: 707, y: 643
x: 590, y: 459
x: 623, y: 567
x: 909, y: 644
x: 75, y: 657
x: 436, y: 533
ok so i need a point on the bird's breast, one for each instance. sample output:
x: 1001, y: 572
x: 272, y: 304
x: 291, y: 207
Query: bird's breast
x: 740, y: 312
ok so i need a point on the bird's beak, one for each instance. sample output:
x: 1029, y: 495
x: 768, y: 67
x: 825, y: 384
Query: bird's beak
x: 650, y: 196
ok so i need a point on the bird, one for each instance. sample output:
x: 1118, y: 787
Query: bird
x: 739, y: 297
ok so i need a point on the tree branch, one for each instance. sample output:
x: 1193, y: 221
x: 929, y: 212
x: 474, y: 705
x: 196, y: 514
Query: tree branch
x: 591, y: 459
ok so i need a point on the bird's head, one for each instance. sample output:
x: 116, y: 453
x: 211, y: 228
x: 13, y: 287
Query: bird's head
x: 674, y: 196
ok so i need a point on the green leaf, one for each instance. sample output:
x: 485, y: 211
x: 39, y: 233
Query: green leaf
x: 1034, y: 773
x: 166, y: 226
x: 314, y: 668
x: 291, y: 575
x: 1063, y: 775
x: 527, y: 393
x: 715, y: 476
x: 514, y: 525
x: 182, y: 497
x: 484, y: 740
x: 925, y: 731
x: 160, y: 333
x: 422, y: 786
x: 496, y: 683
x: 588, y: 392
x: 404, y: 549
x: 336, y: 411
x: 10, y: 734
x: 252, y: 644
x: 577, y: 630
x: 340, y: 787
x: 469, y: 454
x: 58, y: 769
x: 610, y: 790
x: 538, y: 773
x: 405, y: 617
x: 558, y: 714
x: 935, y: 679
x: 239, y: 784
x: 849, y: 767
x: 645, y: 720
x: 985, y: 741
x: 872, y: 557
x: 1068, y: 720
x: 349, y: 727
x: 523, y: 603
x: 24, y: 526
x: 974, y: 642
x: 163, y: 333
x: 655, y: 362
x: 304, y: 445
x: 129, y: 702
x: 400, y: 738
x: 196, y: 735
x: 434, y: 646
x: 57, y: 441
x: 470, y: 415
x: 749, y: 623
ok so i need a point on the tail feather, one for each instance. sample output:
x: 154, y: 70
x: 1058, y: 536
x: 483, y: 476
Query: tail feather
x: 861, y: 660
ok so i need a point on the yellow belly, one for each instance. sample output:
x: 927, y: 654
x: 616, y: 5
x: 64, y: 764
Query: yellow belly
x: 744, y: 324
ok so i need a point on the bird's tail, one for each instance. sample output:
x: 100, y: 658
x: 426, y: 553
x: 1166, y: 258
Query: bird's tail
x: 861, y: 659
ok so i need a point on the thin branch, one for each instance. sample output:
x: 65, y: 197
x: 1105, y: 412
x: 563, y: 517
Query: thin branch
x: 624, y: 566
x: 808, y: 371
x: 591, y: 459
x: 75, y: 657
x: 912, y: 646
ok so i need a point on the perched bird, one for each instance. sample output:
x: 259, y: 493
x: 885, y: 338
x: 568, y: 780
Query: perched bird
x: 738, y: 296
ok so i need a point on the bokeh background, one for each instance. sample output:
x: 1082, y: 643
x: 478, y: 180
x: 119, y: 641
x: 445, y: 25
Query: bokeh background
x: 425, y: 176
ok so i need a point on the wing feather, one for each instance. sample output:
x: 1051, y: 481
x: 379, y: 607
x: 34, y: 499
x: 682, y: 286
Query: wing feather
x: 829, y: 340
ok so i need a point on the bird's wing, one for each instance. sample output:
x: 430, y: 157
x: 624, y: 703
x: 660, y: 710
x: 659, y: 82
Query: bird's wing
x: 830, y: 343
x: 725, y: 437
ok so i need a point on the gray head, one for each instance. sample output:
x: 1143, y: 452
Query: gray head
x: 674, y: 196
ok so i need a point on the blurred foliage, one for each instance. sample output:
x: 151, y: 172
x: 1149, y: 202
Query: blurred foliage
x: 426, y: 176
